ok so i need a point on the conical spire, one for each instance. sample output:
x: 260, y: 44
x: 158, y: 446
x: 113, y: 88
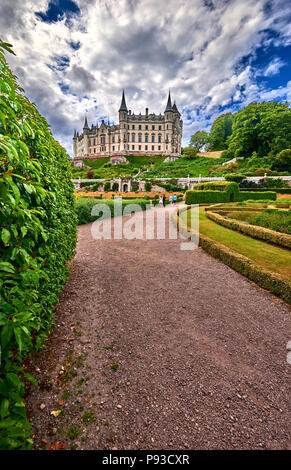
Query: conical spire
x: 75, y: 133
x: 86, y: 124
x: 169, y: 104
x: 174, y: 108
x: 123, y: 106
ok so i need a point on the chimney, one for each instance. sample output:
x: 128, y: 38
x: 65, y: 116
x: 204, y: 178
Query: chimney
x: 147, y: 112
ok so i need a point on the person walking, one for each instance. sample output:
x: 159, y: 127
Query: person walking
x: 175, y: 198
x: 161, y: 200
x: 164, y: 200
x: 171, y: 199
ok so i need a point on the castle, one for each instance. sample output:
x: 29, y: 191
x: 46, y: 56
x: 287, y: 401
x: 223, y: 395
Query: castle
x: 142, y: 134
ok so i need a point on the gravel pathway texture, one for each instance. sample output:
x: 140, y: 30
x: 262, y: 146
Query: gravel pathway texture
x: 159, y: 348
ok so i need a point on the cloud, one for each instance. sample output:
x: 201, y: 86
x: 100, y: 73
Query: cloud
x: 74, y: 57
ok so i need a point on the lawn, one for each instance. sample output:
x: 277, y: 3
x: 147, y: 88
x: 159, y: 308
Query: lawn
x: 270, y: 257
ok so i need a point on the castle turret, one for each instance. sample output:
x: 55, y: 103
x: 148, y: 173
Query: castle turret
x: 86, y: 131
x: 123, y: 113
x: 75, y: 143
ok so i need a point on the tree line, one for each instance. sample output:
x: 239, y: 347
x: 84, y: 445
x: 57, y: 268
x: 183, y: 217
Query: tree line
x: 260, y: 129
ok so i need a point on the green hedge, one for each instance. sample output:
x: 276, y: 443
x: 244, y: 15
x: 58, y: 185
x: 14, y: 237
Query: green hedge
x: 200, y: 197
x: 254, y: 231
x: 84, y: 207
x: 276, y: 190
x: 275, y: 283
x: 38, y: 238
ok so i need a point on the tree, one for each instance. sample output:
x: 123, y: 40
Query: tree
x: 148, y: 186
x: 283, y: 161
x: 107, y: 186
x: 221, y: 129
x: 264, y: 128
x: 199, y: 140
x: 189, y: 152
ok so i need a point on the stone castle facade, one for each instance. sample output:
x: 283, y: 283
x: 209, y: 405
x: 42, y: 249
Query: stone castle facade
x: 141, y: 134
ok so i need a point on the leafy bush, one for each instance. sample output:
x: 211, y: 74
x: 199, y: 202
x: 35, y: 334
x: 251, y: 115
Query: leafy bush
x: 274, y: 183
x: 90, y: 174
x: 148, y: 186
x: 283, y: 160
x: 134, y: 185
x: 189, y: 153
x: 115, y: 187
x: 107, y: 186
x: 38, y: 237
x: 235, y: 177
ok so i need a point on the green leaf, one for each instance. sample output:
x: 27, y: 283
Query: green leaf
x: 7, y: 267
x: 4, y: 408
x: 5, y: 235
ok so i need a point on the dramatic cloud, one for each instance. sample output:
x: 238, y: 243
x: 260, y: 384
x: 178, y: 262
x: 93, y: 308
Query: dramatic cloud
x: 74, y: 57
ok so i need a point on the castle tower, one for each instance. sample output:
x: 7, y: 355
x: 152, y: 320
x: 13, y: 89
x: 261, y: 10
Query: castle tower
x: 86, y: 131
x: 123, y: 113
x: 169, y: 118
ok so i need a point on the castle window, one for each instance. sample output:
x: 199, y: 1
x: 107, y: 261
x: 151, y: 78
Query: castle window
x: 146, y: 127
x: 153, y: 137
x: 133, y: 138
x: 102, y: 140
x: 153, y: 127
x: 132, y: 147
x: 113, y: 139
x: 94, y: 150
x: 153, y: 147
x: 133, y: 126
x: 113, y: 148
x: 139, y: 127
x: 146, y: 138
x: 160, y: 128
x: 159, y: 138
x: 167, y: 126
x: 159, y: 147
x: 139, y: 147
x: 146, y: 147
x: 139, y: 137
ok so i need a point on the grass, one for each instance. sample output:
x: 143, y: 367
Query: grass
x: 183, y: 167
x: 270, y: 257
x: 73, y: 432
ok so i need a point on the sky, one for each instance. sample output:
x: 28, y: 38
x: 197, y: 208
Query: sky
x: 74, y: 57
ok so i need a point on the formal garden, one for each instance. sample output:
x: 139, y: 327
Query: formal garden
x: 245, y: 225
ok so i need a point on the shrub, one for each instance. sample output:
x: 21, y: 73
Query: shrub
x: 283, y: 160
x: 38, y: 237
x: 274, y: 183
x: 115, y: 187
x: 148, y: 186
x: 189, y: 153
x: 107, y: 186
x: 235, y: 177
x: 90, y: 174
x: 134, y: 185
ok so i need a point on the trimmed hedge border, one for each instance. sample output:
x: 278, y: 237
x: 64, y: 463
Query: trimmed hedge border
x: 276, y: 284
x: 197, y: 197
x: 276, y: 190
x: 254, y: 231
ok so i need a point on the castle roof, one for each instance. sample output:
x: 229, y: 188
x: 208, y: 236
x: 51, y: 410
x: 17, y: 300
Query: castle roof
x: 123, y: 106
x: 169, y: 104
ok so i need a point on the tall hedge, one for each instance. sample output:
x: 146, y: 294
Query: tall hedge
x: 37, y: 240
x: 207, y: 197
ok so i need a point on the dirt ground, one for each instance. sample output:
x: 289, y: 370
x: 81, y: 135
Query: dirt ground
x: 158, y: 348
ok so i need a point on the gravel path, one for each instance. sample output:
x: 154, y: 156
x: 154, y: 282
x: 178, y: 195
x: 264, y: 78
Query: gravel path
x: 158, y: 348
